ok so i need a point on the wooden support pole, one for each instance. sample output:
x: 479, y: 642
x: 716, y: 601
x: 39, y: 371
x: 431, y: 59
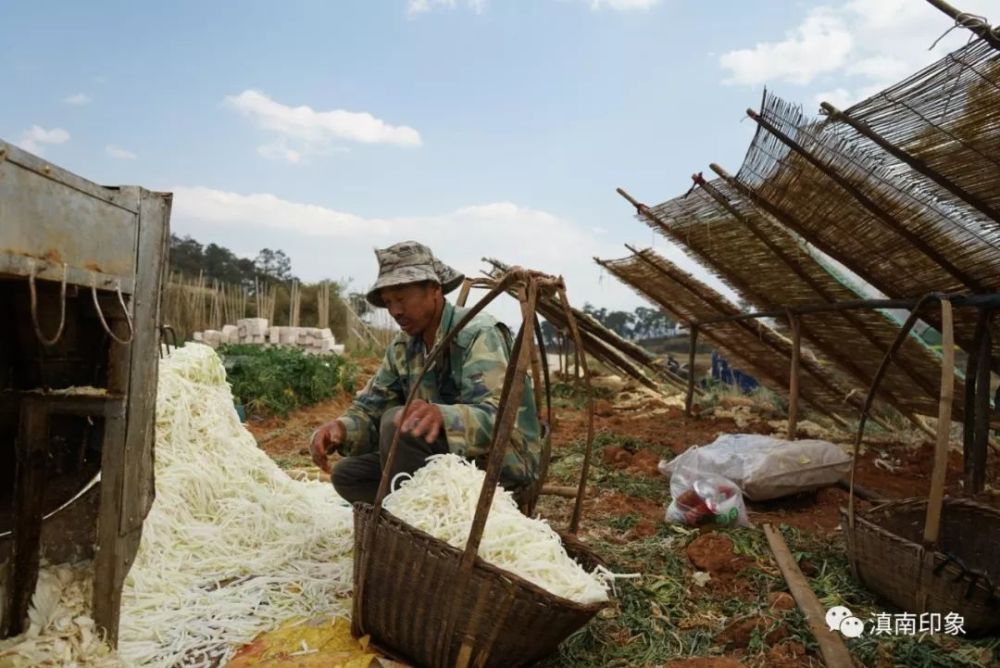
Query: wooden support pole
x: 969, y: 412
x: 932, y: 525
x: 912, y: 161
x: 868, y: 203
x: 29, y: 494
x: 793, y: 380
x: 981, y: 413
x: 831, y: 645
x: 692, y: 353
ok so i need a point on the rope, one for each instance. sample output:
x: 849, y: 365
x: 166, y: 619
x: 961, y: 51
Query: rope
x: 100, y: 314
x: 34, y: 307
x: 974, y: 22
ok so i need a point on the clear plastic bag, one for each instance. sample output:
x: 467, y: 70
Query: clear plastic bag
x: 703, y: 498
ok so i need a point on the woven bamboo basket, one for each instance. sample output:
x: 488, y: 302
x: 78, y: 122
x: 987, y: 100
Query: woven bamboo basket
x: 958, y: 575
x: 425, y: 602
x: 934, y: 555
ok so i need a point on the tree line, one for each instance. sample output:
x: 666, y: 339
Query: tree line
x: 271, y: 268
x: 218, y: 263
x: 642, y: 324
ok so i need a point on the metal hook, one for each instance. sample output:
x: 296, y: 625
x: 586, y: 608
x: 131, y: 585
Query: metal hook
x: 34, y: 307
x: 100, y: 314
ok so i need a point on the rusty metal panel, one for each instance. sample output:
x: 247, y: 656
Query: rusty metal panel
x: 49, y: 216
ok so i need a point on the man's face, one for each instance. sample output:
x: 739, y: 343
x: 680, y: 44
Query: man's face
x: 412, y: 306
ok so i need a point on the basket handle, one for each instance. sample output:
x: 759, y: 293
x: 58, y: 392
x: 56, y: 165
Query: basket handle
x: 947, y: 385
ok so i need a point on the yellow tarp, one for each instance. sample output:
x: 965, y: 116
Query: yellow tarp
x: 307, y: 644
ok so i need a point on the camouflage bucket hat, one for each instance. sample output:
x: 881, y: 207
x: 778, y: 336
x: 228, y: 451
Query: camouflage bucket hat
x: 410, y: 262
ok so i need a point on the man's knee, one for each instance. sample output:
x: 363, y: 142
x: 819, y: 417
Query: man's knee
x: 387, y: 425
x: 356, y: 478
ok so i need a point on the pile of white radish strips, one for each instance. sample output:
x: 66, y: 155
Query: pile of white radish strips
x: 440, y: 499
x: 233, y: 546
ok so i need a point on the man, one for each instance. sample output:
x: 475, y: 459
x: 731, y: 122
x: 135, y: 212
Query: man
x: 457, y: 401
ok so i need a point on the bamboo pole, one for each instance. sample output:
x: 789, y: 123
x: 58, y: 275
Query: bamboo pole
x: 795, y: 225
x: 820, y: 379
x: 692, y: 353
x: 932, y: 526
x: 796, y: 267
x: 877, y: 211
x: 912, y: 161
x: 793, y: 380
x: 831, y: 645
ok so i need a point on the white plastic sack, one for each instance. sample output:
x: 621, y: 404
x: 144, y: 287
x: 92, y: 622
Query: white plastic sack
x: 765, y: 467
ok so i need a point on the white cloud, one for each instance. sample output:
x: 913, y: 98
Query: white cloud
x: 119, y: 152
x: 821, y: 44
x: 34, y: 137
x: 77, y: 99
x: 325, y: 242
x: 302, y: 129
x: 279, y: 151
x: 623, y: 5
x: 854, y: 47
x: 414, y: 7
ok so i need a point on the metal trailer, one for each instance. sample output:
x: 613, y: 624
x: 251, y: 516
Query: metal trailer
x: 80, y: 273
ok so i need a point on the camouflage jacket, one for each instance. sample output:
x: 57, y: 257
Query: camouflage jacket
x: 465, y: 384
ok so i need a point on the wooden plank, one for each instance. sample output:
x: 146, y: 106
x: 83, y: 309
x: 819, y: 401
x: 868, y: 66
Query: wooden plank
x: 109, y: 562
x: 127, y: 457
x: 138, y: 492
x: 831, y: 645
x: 29, y: 494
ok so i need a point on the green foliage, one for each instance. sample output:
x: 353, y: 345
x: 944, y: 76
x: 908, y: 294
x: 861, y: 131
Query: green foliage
x: 574, y: 394
x: 275, y: 381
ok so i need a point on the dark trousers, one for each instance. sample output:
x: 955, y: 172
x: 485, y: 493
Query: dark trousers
x: 357, y: 478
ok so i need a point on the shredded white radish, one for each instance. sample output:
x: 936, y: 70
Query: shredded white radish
x: 60, y: 630
x: 441, y: 499
x: 232, y: 545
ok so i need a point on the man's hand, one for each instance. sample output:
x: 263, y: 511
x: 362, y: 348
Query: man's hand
x: 324, y: 440
x: 422, y: 419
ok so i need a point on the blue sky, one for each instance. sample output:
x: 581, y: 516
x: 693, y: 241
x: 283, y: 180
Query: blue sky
x: 480, y: 127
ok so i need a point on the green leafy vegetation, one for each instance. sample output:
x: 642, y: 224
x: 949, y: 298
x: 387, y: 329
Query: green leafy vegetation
x: 276, y: 381
x: 665, y: 616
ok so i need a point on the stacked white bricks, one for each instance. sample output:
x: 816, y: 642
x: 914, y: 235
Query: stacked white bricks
x: 255, y: 331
